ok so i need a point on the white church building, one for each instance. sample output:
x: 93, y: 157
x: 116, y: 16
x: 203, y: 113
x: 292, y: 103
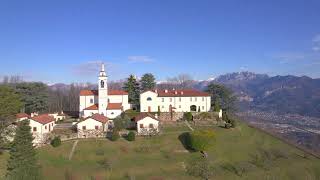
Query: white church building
x: 110, y: 103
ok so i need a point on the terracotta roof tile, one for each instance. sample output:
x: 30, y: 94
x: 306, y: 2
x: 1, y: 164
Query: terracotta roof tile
x: 93, y: 107
x: 111, y: 106
x: 43, y: 119
x: 114, y: 106
x: 95, y: 92
x: 22, y: 115
x: 99, y: 117
x: 144, y: 115
x: 180, y: 93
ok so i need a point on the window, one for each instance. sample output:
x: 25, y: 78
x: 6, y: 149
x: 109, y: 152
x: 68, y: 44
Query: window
x: 179, y: 106
x: 83, y: 127
x: 202, y: 98
x: 45, y: 127
x: 191, y: 99
x: 34, y: 129
x: 141, y: 125
x: 102, y: 84
x: 162, y: 99
x: 96, y: 127
x: 162, y: 107
x: 179, y: 99
x: 112, y: 113
x: 170, y: 99
x: 91, y: 101
x: 202, y: 107
x: 195, y: 99
x: 149, y: 99
x: 151, y: 126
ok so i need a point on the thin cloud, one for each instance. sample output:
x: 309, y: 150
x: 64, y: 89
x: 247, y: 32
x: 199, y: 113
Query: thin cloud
x: 316, y: 43
x: 288, y: 57
x: 89, y: 67
x: 140, y: 59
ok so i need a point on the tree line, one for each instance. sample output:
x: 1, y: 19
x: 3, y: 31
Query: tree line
x: 39, y: 97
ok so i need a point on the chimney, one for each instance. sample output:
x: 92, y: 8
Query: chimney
x: 156, y: 91
x: 175, y: 92
x: 181, y: 92
x: 166, y: 90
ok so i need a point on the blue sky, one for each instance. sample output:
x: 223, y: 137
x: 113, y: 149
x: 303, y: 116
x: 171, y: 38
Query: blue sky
x: 63, y: 41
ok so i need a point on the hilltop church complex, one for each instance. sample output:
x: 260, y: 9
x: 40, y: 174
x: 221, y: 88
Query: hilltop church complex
x: 111, y: 103
x: 98, y: 109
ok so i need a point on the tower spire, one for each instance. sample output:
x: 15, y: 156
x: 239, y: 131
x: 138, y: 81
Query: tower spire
x: 102, y: 67
x: 102, y: 72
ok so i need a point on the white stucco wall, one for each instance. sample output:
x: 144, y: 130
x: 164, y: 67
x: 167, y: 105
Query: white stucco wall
x: 146, y: 122
x: 85, y: 101
x: 21, y: 119
x: 181, y: 104
x: 88, y: 113
x: 90, y: 124
x: 111, y: 114
x: 41, y: 130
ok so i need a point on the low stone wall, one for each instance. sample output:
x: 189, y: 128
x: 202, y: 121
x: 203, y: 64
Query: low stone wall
x: 170, y: 117
x: 91, y: 133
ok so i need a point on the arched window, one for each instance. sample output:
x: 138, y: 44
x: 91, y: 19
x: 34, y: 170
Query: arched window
x: 149, y: 99
x: 102, y: 84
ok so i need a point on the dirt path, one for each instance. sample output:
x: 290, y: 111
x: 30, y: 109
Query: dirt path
x: 73, y: 149
x: 187, y: 123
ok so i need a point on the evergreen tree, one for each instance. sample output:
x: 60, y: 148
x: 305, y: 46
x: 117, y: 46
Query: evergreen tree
x: 147, y: 82
x: 23, y: 162
x: 217, y: 105
x: 132, y: 87
x: 34, y: 96
x: 10, y: 105
x: 225, y: 95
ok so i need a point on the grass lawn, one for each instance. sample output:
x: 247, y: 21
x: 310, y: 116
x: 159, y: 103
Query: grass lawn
x: 240, y: 153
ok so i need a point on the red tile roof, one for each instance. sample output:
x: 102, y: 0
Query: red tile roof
x: 117, y: 92
x: 144, y: 115
x: 99, y: 117
x: 95, y: 92
x: 22, y: 115
x: 43, y: 119
x: 111, y: 106
x: 180, y: 93
x: 88, y: 93
x: 93, y: 107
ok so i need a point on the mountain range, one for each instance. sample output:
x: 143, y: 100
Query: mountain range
x: 278, y: 94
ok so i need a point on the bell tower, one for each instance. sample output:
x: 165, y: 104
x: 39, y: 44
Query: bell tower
x: 103, y: 91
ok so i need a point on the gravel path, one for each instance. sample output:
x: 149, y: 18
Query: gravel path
x: 187, y: 123
x: 73, y: 149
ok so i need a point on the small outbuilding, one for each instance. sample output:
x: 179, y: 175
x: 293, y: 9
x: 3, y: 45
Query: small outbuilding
x: 93, y: 126
x: 147, y: 124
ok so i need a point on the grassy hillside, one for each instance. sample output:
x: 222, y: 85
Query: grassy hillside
x: 240, y: 153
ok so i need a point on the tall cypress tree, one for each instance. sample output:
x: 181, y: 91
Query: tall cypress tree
x: 147, y: 82
x: 132, y: 87
x: 22, y: 163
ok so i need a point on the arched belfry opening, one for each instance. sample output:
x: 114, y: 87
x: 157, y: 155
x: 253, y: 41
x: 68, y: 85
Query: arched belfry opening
x: 102, y: 84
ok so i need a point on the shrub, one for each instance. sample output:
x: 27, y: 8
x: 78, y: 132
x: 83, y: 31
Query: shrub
x: 227, y: 125
x: 232, y: 122
x: 131, y: 136
x: 56, y: 141
x: 201, y: 140
x: 187, y: 116
x: 115, y: 135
